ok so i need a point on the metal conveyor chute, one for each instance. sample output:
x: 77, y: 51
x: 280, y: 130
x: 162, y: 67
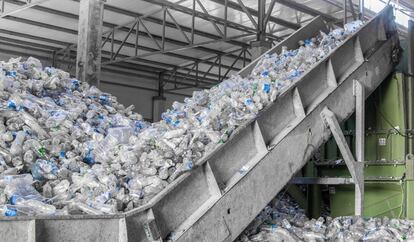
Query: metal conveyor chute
x: 216, y: 201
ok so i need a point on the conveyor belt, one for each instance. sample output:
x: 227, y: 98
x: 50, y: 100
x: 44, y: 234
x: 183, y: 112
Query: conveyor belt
x: 227, y: 189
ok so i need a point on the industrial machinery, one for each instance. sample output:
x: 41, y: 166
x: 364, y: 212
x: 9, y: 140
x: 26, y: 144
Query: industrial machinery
x: 387, y: 172
x: 227, y: 189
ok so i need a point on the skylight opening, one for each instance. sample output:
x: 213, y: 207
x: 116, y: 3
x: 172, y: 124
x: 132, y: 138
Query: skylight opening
x: 402, y: 15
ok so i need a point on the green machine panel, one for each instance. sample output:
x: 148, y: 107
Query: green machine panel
x: 385, y: 122
x: 387, y: 190
x: 384, y: 190
x: 381, y: 199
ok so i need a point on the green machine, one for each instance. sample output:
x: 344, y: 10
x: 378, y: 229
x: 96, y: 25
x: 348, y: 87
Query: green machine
x: 389, y: 178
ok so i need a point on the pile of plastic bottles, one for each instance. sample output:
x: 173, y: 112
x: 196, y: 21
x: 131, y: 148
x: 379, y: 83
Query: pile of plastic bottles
x: 283, y: 220
x: 80, y: 151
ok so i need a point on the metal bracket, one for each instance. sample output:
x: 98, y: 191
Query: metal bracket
x: 355, y: 168
x: 321, y: 180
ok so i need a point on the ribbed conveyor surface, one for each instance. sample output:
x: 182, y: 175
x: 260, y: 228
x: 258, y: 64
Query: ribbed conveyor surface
x: 227, y: 189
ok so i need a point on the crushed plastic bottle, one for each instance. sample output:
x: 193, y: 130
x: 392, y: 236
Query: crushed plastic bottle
x: 8, y: 211
x: 283, y: 220
x: 19, y: 187
x: 87, y: 153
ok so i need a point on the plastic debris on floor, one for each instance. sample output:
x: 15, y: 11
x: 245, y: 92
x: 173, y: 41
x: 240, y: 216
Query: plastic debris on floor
x: 284, y: 220
x: 68, y: 148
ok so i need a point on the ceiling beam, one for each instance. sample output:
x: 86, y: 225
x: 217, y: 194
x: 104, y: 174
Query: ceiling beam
x: 206, y: 16
x: 141, y: 33
x: 29, y: 44
x: 201, y: 15
x: 75, y: 32
x: 161, y: 67
x: 170, y: 24
x: 154, y: 66
x: 25, y: 47
x: 33, y: 37
x: 123, y: 66
x: 125, y: 29
x: 24, y: 6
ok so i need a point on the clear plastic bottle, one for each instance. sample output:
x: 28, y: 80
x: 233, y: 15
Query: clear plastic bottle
x: 56, y: 119
x: 8, y: 211
x: 5, y: 154
x: 44, y: 169
x: 17, y: 145
x: 86, y: 209
x: 102, y: 150
x: 20, y: 187
x: 121, y: 134
x: 36, y: 147
x: 2, y: 126
x: 34, y: 207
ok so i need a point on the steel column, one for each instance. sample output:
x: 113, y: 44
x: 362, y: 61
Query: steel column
x: 411, y: 49
x: 226, y: 8
x: 261, y: 26
x: 269, y: 12
x: 158, y: 102
x: 359, y: 144
x: 410, y: 83
x: 313, y: 192
x: 360, y: 121
x: 345, y: 12
x: 88, y: 59
x: 361, y: 9
x: 261, y: 45
x: 409, y: 186
x: 163, y: 28
x: 193, y: 22
x: 351, y: 5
